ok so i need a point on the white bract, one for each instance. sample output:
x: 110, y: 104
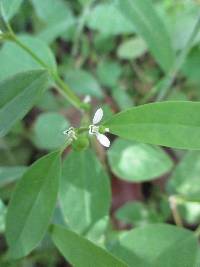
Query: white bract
x: 94, y: 129
x: 71, y: 134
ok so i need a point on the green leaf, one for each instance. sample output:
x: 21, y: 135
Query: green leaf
x: 190, y: 212
x: 32, y: 205
x: 182, y: 23
x: 151, y: 28
x: 51, y: 11
x: 137, y: 162
x: 11, y: 52
x: 81, y: 252
x: 185, y: 177
x: 107, y: 19
x: 48, y: 101
x: 109, y: 73
x: 172, y: 124
x: 122, y: 98
x: 9, y: 8
x: 10, y: 174
x: 83, y: 83
x: 62, y: 29
x: 48, y: 130
x: 138, y: 214
x: 191, y: 67
x: 132, y: 48
x: 18, y: 95
x: 156, y: 246
x: 97, y: 232
x: 84, y: 191
x: 57, y: 17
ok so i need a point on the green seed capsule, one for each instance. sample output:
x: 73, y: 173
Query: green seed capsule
x: 81, y: 143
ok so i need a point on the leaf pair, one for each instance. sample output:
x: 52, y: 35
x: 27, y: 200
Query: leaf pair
x: 154, y: 246
x: 83, y: 184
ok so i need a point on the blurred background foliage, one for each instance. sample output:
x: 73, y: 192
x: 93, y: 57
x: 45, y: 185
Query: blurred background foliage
x: 99, y: 52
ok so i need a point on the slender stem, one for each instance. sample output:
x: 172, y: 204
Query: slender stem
x: 179, y: 62
x: 81, y: 24
x: 65, y: 90
x: 62, y: 87
x: 175, y: 212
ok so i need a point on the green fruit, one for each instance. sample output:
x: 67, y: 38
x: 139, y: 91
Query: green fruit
x: 81, y: 143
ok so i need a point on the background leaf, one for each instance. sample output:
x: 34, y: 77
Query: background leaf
x: 32, y: 205
x: 48, y: 130
x: 18, y: 95
x: 185, y: 177
x: 106, y: 18
x: 14, y: 59
x: 57, y: 17
x: 83, y: 83
x: 10, y: 174
x: 109, y: 72
x: 157, y: 245
x: 151, y: 28
x: 83, y: 184
x: 139, y: 214
x: 173, y: 124
x: 137, y: 162
x: 10, y: 7
x: 81, y: 252
x: 132, y: 48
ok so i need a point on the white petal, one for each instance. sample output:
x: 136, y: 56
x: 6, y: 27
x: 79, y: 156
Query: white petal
x: 103, y: 140
x: 98, y: 116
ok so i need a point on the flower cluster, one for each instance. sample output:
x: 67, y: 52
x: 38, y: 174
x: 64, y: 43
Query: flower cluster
x: 94, y: 129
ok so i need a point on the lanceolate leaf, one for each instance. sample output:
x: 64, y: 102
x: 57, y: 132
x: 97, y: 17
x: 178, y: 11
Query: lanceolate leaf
x: 84, y: 191
x: 172, y: 124
x: 32, y: 205
x: 18, y: 94
x: 150, y: 26
x: 81, y: 252
x: 157, y: 245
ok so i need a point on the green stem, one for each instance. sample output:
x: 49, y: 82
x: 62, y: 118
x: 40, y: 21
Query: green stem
x: 175, y: 212
x: 179, y: 62
x: 165, y: 83
x: 63, y: 88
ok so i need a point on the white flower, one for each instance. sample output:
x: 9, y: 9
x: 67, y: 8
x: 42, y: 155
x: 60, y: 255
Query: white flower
x: 71, y: 134
x: 94, y: 129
